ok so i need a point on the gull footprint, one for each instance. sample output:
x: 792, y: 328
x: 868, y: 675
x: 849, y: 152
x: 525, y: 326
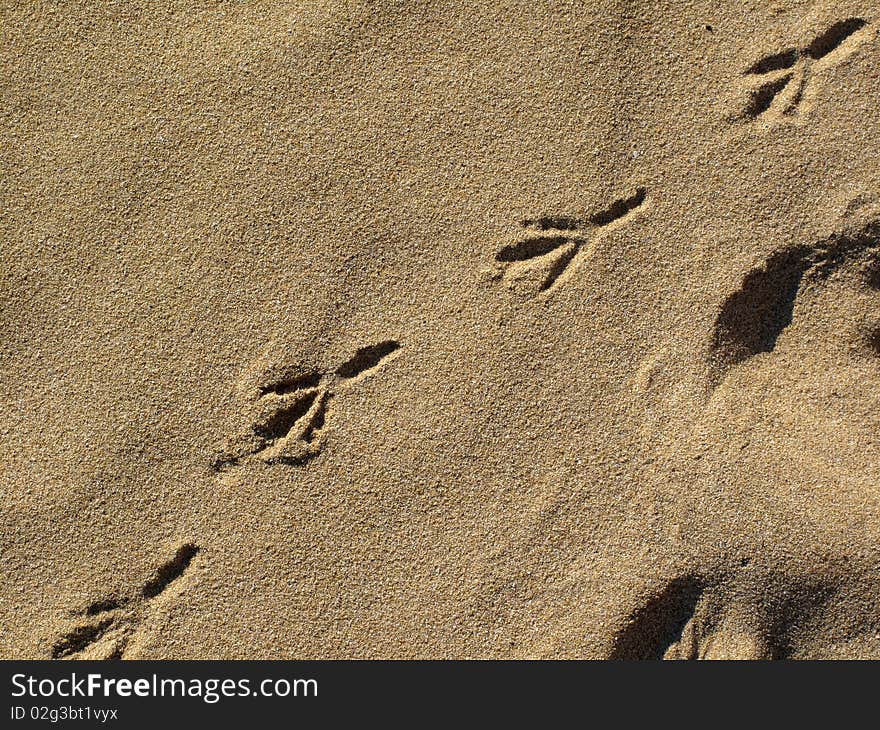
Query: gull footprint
x: 286, y: 422
x: 542, y: 261
x: 107, y: 626
x: 777, y: 84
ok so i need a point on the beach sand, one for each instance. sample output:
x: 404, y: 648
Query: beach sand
x: 440, y: 330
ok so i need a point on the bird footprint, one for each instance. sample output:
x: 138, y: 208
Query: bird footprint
x: 542, y: 261
x: 285, y: 418
x: 776, y: 85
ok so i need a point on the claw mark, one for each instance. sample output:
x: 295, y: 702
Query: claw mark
x: 285, y: 414
x: 170, y: 571
x: 762, y: 97
x: 776, y: 62
x: 280, y: 387
x: 779, y: 82
x: 543, y: 260
x: 80, y: 638
x: 618, y: 209
x: 366, y: 359
x: 286, y: 421
x: 530, y: 248
x: 110, y: 623
x: 561, y: 263
x: 103, y: 606
x: 834, y: 37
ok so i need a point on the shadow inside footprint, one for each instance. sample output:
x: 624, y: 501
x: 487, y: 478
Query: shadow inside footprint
x: 659, y: 623
x: 753, y: 317
x: 834, y: 37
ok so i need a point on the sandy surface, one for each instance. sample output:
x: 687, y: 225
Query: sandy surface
x: 352, y: 329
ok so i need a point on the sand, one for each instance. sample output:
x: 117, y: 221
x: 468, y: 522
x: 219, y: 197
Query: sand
x: 440, y: 330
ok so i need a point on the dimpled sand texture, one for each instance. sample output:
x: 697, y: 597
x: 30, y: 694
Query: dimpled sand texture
x: 440, y: 329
